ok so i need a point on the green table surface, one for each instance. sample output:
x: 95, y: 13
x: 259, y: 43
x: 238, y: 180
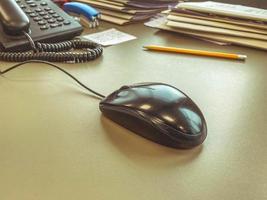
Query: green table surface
x: 55, y: 143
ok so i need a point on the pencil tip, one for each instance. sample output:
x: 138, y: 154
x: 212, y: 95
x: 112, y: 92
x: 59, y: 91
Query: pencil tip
x: 144, y: 48
x: 242, y: 57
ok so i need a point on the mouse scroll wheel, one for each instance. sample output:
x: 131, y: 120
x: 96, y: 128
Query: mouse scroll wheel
x: 124, y: 87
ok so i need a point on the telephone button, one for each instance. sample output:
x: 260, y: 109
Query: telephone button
x: 60, y: 19
x: 55, y: 15
x: 43, y: 3
x: 47, y: 8
x: 33, y: 5
x: 29, y: 1
x: 51, y: 12
x: 44, y: 27
x: 47, y: 17
x: 33, y: 15
x: 37, y: 19
x: 51, y: 21
x: 28, y: 11
x: 22, y: 6
x: 66, y: 23
x: 42, y: 13
x: 38, y: 10
x: 53, y: 25
x: 42, y: 22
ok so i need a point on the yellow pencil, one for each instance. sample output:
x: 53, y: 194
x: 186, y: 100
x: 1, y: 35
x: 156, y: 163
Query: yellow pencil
x: 196, y: 52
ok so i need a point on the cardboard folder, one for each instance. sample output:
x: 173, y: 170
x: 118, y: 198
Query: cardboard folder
x: 215, y: 30
x: 249, y: 42
x: 212, y: 18
x: 223, y: 25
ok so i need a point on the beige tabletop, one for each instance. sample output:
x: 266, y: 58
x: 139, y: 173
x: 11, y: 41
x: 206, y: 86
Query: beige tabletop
x: 55, y: 143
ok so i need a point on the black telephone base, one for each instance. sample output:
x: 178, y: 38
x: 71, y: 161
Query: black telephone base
x: 48, y: 23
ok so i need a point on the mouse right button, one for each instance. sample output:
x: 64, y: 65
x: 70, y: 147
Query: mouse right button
x: 190, y: 120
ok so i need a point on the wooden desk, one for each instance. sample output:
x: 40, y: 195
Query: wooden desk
x: 55, y: 144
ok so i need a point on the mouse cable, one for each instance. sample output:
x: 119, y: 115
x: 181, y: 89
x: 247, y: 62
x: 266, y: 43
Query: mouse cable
x: 54, y: 52
x: 55, y: 66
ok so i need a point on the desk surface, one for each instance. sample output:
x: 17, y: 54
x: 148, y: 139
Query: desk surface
x: 55, y: 144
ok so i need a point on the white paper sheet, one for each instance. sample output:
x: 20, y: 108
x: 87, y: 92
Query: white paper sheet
x: 109, y: 37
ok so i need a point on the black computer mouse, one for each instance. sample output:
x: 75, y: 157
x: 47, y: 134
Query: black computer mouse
x: 158, y: 112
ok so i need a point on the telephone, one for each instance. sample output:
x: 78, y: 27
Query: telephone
x: 26, y: 24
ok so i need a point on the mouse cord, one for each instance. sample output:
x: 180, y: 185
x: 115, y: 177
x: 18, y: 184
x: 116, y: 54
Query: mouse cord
x: 55, y: 66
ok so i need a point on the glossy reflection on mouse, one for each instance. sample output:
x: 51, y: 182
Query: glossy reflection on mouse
x: 158, y: 112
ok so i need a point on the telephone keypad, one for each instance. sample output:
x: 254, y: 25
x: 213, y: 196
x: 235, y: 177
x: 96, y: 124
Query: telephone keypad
x: 42, y: 15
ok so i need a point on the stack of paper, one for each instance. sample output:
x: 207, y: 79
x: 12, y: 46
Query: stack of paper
x: 219, y: 22
x: 127, y: 11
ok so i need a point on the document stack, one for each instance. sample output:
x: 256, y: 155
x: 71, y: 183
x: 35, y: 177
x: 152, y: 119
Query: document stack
x: 220, y: 23
x: 128, y: 11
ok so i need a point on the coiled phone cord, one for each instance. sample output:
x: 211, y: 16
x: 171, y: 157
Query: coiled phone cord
x: 55, y: 52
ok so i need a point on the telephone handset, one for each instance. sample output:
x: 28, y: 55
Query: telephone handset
x: 24, y: 24
x: 16, y: 23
